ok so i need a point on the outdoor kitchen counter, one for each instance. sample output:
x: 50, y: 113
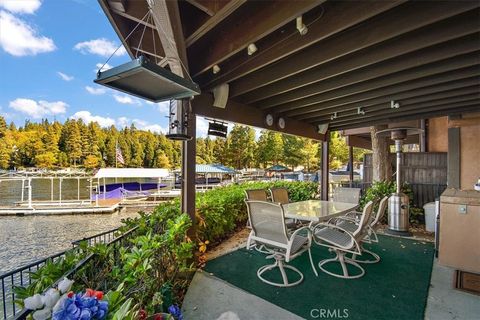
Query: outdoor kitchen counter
x: 460, y: 230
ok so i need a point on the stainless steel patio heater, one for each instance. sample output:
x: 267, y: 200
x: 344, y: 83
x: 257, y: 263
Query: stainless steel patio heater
x: 398, y: 203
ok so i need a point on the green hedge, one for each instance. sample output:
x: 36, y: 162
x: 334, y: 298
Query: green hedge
x: 221, y: 210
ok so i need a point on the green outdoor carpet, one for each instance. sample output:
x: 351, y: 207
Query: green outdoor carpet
x: 394, y: 288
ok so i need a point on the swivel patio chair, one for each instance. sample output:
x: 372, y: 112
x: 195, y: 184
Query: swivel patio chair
x: 269, y: 228
x: 342, y: 241
x: 348, y: 195
x: 257, y: 195
x: 350, y: 224
x: 280, y: 195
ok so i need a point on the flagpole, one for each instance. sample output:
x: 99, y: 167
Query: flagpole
x: 116, y: 151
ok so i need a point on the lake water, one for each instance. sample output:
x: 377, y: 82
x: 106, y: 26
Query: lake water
x: 26, y: 239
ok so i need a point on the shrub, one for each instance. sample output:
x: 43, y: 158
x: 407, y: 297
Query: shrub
x: 378, y: 190
x: 221, y: 210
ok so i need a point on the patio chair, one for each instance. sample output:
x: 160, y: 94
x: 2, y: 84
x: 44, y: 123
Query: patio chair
x: 280, y: 195
x: 269, y: 228
x: 257, y: 195
x: 348, y: 195
x: 342, y: 241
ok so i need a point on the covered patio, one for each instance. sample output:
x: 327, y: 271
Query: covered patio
x: 307, y: 68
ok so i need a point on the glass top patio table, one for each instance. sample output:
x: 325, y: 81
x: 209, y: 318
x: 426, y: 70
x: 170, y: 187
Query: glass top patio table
x: 317, y: 210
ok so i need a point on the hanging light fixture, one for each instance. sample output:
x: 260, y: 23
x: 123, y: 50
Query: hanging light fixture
x: 178, y: 120
x: 218, y: 129
x: 251, y: 49
x: 301, y: 27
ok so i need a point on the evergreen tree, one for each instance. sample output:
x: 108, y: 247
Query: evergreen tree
x: 292, y: 151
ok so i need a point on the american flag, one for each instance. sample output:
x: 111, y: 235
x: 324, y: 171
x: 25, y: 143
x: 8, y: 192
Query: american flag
x: 118, y: 155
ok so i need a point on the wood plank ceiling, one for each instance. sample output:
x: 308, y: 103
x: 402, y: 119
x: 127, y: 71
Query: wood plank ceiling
x: 356, y: 57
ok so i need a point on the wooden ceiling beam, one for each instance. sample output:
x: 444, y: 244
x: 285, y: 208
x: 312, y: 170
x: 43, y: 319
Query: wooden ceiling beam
x: 326, y: 78
x: 326, y: 112
x: 229, y: 37
x: 358, y: 142
x: 432, y: 112
x: 330, y: 18
x: 202, y: 105
x: 354, y: 49
x: 167, y: 21
x: 392, y: 91
x: 457, y: 123
x: 207, y: 6
x: 216, y: 18
x: 135, y: 11
x: 439, y: 98
x: 308, y: 95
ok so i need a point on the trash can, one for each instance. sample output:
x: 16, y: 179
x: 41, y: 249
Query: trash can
x: 429, y: 209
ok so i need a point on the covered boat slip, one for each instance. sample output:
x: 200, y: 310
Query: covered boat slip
x: 98, y: 201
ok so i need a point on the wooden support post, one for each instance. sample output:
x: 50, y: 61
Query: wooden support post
x: 325, y: 165
x: 188, y: 170
x: 453, y: 157
x: 350, y: 165
x: 422, y: 141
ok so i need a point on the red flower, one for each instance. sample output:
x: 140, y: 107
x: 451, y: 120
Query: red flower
x: 158, y: 317
x: 98, y: 295
x: 89, y: 292
x: 70, y: 294
x: 142, y: 315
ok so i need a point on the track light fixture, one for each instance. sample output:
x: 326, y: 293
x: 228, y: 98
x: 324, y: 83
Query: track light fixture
x: 216, y: 69
x: 360, y: 111
x: 394, y: 105
x: 251, y: 49
x: 301, y: 27
x: 334, y: 116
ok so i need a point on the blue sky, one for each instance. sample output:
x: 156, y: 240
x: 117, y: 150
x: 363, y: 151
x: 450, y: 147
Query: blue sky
x: 49, y: 54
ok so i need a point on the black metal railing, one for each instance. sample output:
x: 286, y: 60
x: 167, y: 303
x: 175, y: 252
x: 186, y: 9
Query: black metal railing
x: 21, y: 276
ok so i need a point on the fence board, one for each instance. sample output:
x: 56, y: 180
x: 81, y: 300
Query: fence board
x: 425, y: 172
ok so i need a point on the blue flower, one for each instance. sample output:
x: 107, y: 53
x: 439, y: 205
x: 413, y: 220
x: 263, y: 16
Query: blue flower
x: 175, y: 311
x: 81, y: 307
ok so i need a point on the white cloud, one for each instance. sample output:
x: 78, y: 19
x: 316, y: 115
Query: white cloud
x: 124, y: 99
x: 38, y: 109
x: 162, y: 107
x: 20, y: 6
x: 87, y: 117
x: 95, y: 91
x: 143, y: 125
x: 102, y: 47
x: 18, y: 38
x: 123, y: 122
x: 64, y: 76
x: 105, y: 67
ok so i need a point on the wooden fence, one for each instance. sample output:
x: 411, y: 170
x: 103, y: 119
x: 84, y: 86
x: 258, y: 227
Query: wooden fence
x: 425, y: 172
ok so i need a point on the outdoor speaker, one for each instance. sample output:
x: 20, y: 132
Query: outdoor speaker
x: 178, y: 120
x: 220, y: 95
x: 322, y: 128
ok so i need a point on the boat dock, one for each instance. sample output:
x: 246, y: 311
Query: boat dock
x: 55, y: 208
